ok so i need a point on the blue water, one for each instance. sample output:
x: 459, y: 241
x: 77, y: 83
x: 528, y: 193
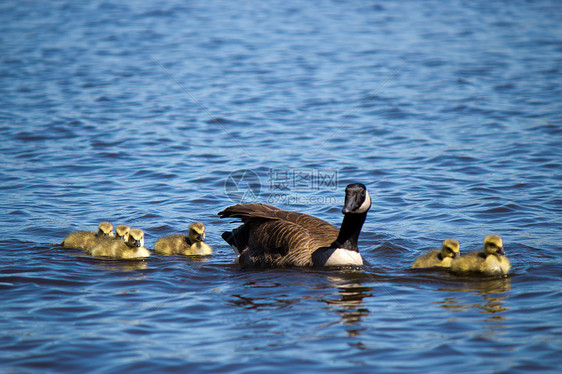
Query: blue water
x: 138, y: 112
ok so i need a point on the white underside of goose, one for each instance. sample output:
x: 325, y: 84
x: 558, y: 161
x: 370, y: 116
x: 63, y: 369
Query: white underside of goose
x: 339, y: 257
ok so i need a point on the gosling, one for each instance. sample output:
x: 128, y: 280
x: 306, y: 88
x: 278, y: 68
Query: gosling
x: 439, y: 257
x: 120, y: 250
x: 121, y: 234
x: 189, y: 245
x: 84, y: 239
x: 491, y: 261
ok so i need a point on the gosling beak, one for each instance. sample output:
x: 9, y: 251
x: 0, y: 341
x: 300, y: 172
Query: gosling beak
x: 137, y: 243
x: 456, y: 255
x: 501, y: 251
x: 201, y: 237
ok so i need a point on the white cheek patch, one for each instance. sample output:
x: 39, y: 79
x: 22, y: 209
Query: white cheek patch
x: 366, y: 204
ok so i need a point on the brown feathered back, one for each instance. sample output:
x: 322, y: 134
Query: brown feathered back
x: 272, y: 237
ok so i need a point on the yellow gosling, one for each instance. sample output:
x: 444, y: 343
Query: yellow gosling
x: 189, y: 245
x: 117, y: 249
x: 121, y: 234
x: 492, y: 261
x: 84, y: 239
x: 439, y: 257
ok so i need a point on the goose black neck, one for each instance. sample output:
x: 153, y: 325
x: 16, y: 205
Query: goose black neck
x: 350, y: 230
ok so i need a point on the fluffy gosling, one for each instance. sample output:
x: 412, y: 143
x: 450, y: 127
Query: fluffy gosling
x: 121, y: 234
x: 117, y: 249
x: 84, y: 239
x: 190, y: 245
x: 439, y: 257
x: 492, y: 261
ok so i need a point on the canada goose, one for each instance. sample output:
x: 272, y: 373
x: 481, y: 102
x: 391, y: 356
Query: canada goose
x: 491, y: 261
x: 439, y: 257
x: 271, y: 237
x: 83, y: 239
x: 117, y: 249
x: 191, y: 244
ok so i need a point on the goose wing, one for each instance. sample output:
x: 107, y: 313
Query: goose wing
x: 249, y: 211
x: 282, y: 243
x: 274, y: 237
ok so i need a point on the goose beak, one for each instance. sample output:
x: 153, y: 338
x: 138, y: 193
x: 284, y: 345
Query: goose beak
x: 201, y: 237
x: 350, y: 205
x: 137, y: 243
x: 501, y: 251
x: 346, y: 209
x: 456, y: 255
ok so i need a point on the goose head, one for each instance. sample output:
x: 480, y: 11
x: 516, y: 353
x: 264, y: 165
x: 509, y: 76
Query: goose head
x: 105, y: 229
x: 357, y: 199
x: 450, y: 248
x: 196, y: 232
x: 136, y: 238
x: 493, y: 245
x: 122, y: 232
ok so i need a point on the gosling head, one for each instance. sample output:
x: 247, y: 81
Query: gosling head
x: 136, y: 238
x: 357, y: 199
x: 122, y: 232
x: 196, y: 232
x: 451, y: 248
x: 105, y: 229
x: 493, y: 245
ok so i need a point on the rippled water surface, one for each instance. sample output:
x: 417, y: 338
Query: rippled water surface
x: 138, y: 112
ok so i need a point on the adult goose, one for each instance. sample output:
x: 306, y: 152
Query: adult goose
x: 271, y: 237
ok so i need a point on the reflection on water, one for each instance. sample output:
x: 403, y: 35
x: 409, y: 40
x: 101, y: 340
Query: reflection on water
x: 197, y: 258
x: 494, y: 295
x: 485, y: 288
x: 120, y: 265
x: 350, y: 295
x: 492, y: 291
